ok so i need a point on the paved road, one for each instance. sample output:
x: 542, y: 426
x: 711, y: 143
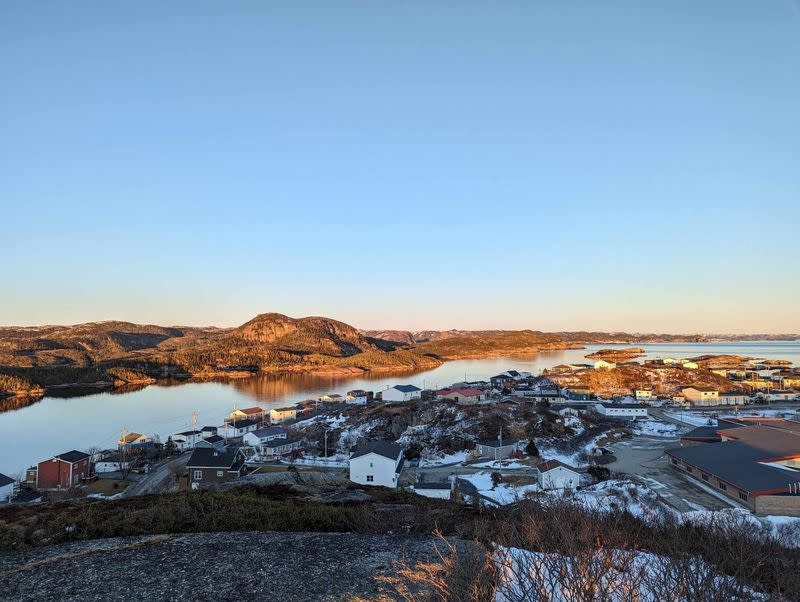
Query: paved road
x: 159, y: 479
x: 659, y: 414
x: 644, y: 459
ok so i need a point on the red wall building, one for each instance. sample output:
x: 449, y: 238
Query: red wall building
x: 63, y: 471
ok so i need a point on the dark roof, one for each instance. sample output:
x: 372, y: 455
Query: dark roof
x: 703, y: 432
x: 625, y: 406
x: 551, y: 464
x: 406, y: 388
x: 26, y: 496
x: 72, y: 456
x: 206, y: 457
x: 281, y: 441
x: 498, y: 442
x: 4, y: 480
x: 187, y: 433
x: 244, y: 423
x: 210, y: 428
x: 432, y: 485
x: 382, y: 448
x: 214, y: 439
x: 270, y: 431
x: 738, y: 464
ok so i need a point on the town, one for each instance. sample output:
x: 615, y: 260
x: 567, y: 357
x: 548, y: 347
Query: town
x: 491, y: 442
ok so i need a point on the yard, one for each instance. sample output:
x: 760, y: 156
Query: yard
x: 107, y: 486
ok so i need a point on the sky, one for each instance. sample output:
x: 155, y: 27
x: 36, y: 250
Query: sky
x: 618, y: 165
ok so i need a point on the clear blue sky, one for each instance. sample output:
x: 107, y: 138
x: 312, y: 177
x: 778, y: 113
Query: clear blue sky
x: 553, y: 165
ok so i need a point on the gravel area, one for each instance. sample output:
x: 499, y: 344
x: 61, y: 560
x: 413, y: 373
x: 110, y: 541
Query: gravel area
x: 209, y: 566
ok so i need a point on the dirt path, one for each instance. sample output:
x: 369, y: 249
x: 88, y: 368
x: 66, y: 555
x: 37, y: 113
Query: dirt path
x: 159, y: 479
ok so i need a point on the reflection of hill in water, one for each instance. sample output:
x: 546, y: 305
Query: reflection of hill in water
x: 295, y: 387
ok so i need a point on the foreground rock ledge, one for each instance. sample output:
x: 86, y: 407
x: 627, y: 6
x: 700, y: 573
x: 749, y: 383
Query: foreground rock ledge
x: 209, y: 566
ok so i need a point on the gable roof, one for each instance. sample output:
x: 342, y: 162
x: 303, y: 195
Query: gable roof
x: 406, y: 388
x: 270, y: 431
x: 549, y: 465
x: 207, y: 457
x: 382, y: 448
x: 251, y: 411
x: 131, y: 437
x: 4, y: 480
x: 72, y: 456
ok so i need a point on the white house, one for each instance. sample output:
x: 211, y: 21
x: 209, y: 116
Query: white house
x: 604, y: 365
x: 621, y: 411
x: 557, y: 475
x: 331, y: 398
x: 112, y: 464
x: 689, y: 365
x: 278, y: 415
x: 187, y: 439
x: 377, y: 463
x: 644, y: 393
x: 258, y: 437
x: 357, y: 397
x: 400, y: 393
x: 435, y: 489
x: 730, y: 399
x: 6, y: 488
x: 701, y: 396
x: 239, y: 429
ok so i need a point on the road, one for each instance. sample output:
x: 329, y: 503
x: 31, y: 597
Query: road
x: 659, y: 414
x: 159, y: 479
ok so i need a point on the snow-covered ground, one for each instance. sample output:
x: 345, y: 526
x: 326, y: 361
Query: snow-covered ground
x: 610, y: 574
x: 655, y: 428
x: 442, y: 459
x: 337, y: 461
x: 504, y: 493
x: 695, y: 418
x: 786, y: 528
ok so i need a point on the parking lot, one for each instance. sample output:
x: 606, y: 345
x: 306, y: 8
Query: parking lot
x: 643, y: 457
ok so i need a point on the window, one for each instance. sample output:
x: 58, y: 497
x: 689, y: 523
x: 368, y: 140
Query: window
x: 723, y: 486
x: 689, y: 469
x: 370, y: 478
x: 370, y: 464
x: 705, y: 477
x: 220, y: 473
x: 198, y: 475
x: 742, y: 496
x: 674, y: 461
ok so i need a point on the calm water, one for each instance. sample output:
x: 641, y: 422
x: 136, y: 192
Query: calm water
x: 55, y: 425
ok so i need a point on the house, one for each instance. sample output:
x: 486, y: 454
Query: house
x: 462, y: 397
x: 6, y: 488
x: 280, y: 447
x: 507, y: 379
x: 621, y: 411
x: 63, y: 471
x: 557, y: 475
x: 578, y: 393
x: 567, y: 410
x: 134, y: 440
x: 187, y: 439
x: 689, y: 365
x: 27, y: 496
x: 781, y: 396
x: 208, y: 431
x: 357, y: 397
x: 730, y: 399
x: 240, y: 428
x: 755, y: 463
x: 253, y: 413
x: 701, y: 396
x: 113, y: 463
x: 434, y: 489
x: 213, y: 442
x: 497, y: 449
x: 332, y: 398
x: 377, y: 463
x: 400, y: 393
x: 208, y: 467
x: 278, y: 415
x: 604, y: 365
x: 719, y: 371
x: 260, y: 436
x: 643, y: 393
x: 670, y: 361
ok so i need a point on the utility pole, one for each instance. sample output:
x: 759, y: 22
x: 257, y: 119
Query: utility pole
x: 123, y: 433
x: 194, y: 429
